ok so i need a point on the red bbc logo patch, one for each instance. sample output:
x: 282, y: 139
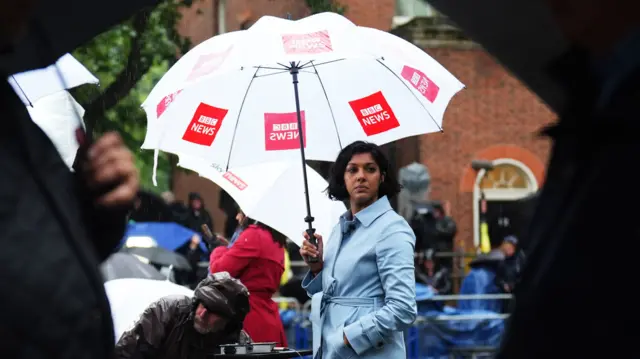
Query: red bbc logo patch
x: 421, y: 82
x: 374, y: 114
x: 207, y: 64
x: 204, y: 125
x: 312, y: 43
x: 165, y: 102
x: 235, y: 180
x: 281, y: 131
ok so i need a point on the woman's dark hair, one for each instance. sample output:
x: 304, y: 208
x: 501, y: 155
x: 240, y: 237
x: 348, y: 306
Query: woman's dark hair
x: 278, y: 237
x: 337, y: 190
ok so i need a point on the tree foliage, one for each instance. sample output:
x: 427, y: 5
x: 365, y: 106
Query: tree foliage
x: 129, y: 60
x: 318, y: 6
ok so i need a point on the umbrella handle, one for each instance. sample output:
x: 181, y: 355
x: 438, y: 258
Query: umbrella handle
x: 294, y: 70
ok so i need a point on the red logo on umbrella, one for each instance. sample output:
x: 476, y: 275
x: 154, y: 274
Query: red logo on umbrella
x: 205, y: 124
x: 421, y: 82
x: 312, y: 43
x: 207, y: 64
x: 374, y: 114
x: 165, y: 102
x: 281, y: 131
x: 235, y: 180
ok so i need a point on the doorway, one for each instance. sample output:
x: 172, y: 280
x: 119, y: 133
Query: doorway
x: 503, y: 187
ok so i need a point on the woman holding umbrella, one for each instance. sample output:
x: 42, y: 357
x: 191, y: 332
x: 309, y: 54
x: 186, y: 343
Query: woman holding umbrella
x: 256, y: 258
x: 363, y: 285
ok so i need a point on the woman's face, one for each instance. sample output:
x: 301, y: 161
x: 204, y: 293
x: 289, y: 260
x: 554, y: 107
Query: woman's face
x: 362, y: 179
x: 240, y: 217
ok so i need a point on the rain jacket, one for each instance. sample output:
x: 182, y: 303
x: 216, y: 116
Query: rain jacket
x: 258, y: 261
x: 165, y: 329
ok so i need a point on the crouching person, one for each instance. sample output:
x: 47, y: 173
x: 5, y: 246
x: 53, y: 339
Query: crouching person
x: 179, y: 327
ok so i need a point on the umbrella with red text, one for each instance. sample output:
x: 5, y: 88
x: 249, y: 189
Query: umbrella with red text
x: 305, y: 89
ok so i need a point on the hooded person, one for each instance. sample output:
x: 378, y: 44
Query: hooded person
x: 198, y: 217
x: 179, y: 327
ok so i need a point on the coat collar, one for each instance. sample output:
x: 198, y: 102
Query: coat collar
x: 369, y: 214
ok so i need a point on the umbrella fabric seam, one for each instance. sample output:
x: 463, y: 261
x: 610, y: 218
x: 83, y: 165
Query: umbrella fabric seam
x: 326, y: 96
x: 235, y: 128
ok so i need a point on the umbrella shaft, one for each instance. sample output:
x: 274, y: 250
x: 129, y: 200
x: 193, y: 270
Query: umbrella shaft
x: 309, y: 219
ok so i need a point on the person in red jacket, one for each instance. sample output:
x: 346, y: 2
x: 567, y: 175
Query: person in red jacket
x: 256, y: 258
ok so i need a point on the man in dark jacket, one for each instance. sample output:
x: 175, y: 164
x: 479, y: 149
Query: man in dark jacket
x: 55, y: 228
x: 179, y: 327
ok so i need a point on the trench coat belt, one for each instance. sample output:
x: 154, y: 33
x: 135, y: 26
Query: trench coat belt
x: 351, y: 302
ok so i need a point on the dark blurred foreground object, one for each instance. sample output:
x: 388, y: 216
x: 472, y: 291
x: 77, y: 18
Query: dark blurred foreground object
x: 520, y: 34
x: 60, y: 26
x: 54, y: 235
x: 160, y: 256
x: 125, y: 265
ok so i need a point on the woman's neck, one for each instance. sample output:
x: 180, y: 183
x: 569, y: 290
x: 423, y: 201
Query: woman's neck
x: 357, y: 207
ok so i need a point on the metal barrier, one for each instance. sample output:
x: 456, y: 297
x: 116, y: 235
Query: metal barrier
x: 300, y: 332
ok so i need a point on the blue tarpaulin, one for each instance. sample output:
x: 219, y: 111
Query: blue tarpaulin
x: 480, y: 280
x: 167, y: 235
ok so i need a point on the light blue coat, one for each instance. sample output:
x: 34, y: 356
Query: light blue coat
x: 366, y: 289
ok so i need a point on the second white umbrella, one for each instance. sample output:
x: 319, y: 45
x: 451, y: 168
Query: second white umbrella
x: 273, y: 193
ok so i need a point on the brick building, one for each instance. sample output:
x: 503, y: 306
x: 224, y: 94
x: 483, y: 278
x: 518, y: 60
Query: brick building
x: 494, y: 118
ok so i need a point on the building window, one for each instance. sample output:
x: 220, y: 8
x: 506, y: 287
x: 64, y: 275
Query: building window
x: 506, y: 176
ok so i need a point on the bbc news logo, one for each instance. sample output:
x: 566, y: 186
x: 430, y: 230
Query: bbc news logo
x: 235, y: 181
x: 281, y: 127
x: 206, y: 120
x: 205, y: 125
x: 282, y: 131
x: 374, y: 114
x: 311, y: 43
x: 371, y: 110
x: 421, y: 83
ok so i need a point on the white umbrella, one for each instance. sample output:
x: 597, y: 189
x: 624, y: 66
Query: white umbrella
x: 65, y: 74
x: 274, y: 194
x: 57, y: 115
x: 354, y: 83
x: 349, y: 83
x: 131, y: 296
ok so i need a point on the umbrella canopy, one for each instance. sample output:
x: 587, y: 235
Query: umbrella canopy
x: 130, y: 297
x: 355, y: 83
x: 350, y: 83
x: 124, y: 265
x: 57, y: 115
x: 274, y: 194
x: 168, y: 235
x: 65, y: 74
x: 160, y: 256
x: 60, y: 26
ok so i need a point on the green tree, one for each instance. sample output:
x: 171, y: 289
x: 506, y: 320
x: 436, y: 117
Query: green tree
x: 318, y: 6
x: 129, y: 60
